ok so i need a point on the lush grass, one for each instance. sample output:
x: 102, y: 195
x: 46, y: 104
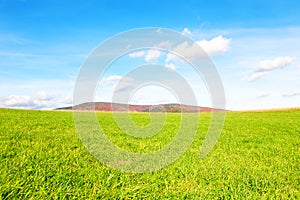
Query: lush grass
x: 256, y: 157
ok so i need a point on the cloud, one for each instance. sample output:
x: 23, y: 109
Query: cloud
x: 256, y: 76
x: 113, y: 78
x: 262, y: 96
x: 17, y: 101
x: 40, y: 100
x: 13, y: 39
x: 44, y: 100
x: 268, y: 65
x: 152, y: 55
x: 189, y: 51
x: 67, y: 100
x: 43, y: 104
x: 171, y: 57
x: 212, y: 47
x: 165, y: 45
x: 42, y: 95
x: 186, y: 31
x: 137, y: 54
x: 294, y: 94
x: 280, y: 62
x: 171, y: 66
x: 12, y: 54
x: 216, y: 45
x: 117, y: 83
x: 158, y: 30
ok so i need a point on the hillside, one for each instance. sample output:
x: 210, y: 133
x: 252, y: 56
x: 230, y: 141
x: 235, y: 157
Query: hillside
x: 108, y: 107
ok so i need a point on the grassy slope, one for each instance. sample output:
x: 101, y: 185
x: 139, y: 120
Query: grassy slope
x: 257, y: 157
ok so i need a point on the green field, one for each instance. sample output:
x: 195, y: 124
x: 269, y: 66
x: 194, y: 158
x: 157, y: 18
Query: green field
x: 256, y: 157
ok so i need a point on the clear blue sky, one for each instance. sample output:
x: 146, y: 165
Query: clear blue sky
x: 43, y: 43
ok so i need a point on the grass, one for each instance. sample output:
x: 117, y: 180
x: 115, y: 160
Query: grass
x: 256, y: 157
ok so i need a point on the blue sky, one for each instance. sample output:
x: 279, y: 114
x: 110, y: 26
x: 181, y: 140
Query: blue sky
x: 254, y: 45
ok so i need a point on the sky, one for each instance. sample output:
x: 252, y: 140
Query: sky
x: 254, y: 45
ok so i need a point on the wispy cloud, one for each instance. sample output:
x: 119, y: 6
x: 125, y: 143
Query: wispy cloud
x: 294, y: 94
x: 137, y: 54
x: 268, y: 65
x: 10, y: 38
x: 256, y: 75
x: 113, y: 78
x: 260, y: 96
x: 186, y: 31
x: 42, y: 95
x: 15, y: 54
x: 152, y: 55
x: 280, y: 62
x: 164, y: 45
x: 171, y: 66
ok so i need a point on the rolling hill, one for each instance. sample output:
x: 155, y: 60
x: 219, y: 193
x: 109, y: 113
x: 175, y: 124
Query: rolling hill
x: 108, y: 107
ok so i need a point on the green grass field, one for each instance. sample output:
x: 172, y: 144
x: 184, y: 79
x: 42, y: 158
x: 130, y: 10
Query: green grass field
x: 256, y: 157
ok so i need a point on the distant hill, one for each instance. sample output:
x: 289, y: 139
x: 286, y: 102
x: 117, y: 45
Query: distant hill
x: 108, y: 107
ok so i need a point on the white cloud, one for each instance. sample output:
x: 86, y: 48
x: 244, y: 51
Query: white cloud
x: 280, y: 62
x: 256, y: 76
x: 44, y: 100
x: 40, y: 100
x: 17, y: 101
x: 189, y: 51
x: 212, y: 47
x: 42, y: 95
x: 43, y: 104
x: 165, y: 45
x: 291, y: 94
x: 268, y: 65
x: 216, y: 45
x: 171, y: 66
x: 171, y: 57
x: 186, y: 31
x: 113, y: 78
x: 137, y: 54
x: 262, y: 96
x: 152, y: 55
x: 67, y: 100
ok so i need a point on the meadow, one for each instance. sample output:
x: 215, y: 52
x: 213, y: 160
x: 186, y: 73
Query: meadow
x: 256, y: 157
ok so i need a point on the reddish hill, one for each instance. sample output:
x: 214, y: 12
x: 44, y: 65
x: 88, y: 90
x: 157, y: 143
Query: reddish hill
x: 108, y: 107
